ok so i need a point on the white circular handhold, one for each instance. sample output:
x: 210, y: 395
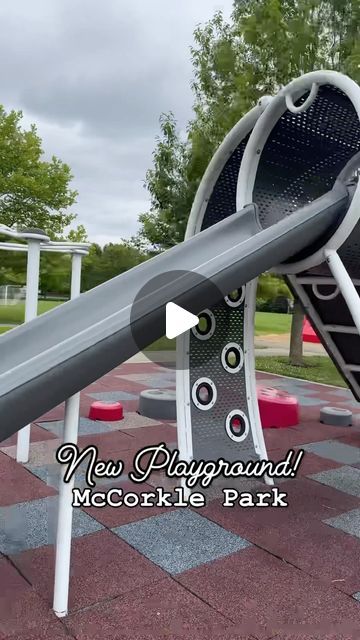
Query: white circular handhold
x: 204, y: 394
x: 237, y: 425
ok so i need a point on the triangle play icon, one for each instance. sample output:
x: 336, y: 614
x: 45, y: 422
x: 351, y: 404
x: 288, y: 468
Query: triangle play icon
x: 178, y: 320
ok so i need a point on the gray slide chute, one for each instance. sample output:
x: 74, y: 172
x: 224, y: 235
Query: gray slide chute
x: 52, y: 357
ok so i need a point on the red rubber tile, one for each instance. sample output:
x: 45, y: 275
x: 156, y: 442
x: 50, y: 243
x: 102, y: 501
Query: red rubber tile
x: 57, y: 413
x: 344, y: 631
x: 307, y: 500
x: 37, y: 434
x: 352, y: 438
x: 115, y: 383
x: 115, y: 516
x: 17, y: 484
x: 163, y: 610
x: 102, y: 567
x: 321, y: 551
x: 23, y: 613
x: 311, y: 463
x: 144, y: 436
x: 130, y: 405
x: 262, y: 593
x: 110, y: 444
x: 134, y: 367
x: 314, y: 431
x: 282, y: 438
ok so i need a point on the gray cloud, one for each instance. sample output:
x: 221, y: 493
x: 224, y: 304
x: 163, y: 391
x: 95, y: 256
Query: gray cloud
x: 95, y: 77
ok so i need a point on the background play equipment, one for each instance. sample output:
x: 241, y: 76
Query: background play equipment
x: 308, y: 333
x: 278, y: 409
x: 158, y: 404
x: 106, y: 411
x: 36, y: 242
x: 336, y: 416
x: 281, y: 193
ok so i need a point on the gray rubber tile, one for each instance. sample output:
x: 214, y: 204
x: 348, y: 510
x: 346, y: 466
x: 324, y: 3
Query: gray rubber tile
x: 50, y: 474
x: 348, y: 522
x: 346, y: 479
x: 180, y: 540
x: 112, y: 396
x: 334, y: 450
x: 29, y: 525
x: 356, y: 596
x: 86, y: 427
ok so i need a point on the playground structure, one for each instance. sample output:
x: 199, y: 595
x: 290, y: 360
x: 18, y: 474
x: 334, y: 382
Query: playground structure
x: 280, y: 193
x: 36, y: 243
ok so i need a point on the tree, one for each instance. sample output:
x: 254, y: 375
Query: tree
x: 102, y: 264
x: 33, y: 192
x: 265, y: 44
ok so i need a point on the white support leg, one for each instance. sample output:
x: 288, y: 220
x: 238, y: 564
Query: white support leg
x: 64, y: 527
x: 345, y: 285
x: 183, y: 413
x: 249, y: 363
x: 31, y: 302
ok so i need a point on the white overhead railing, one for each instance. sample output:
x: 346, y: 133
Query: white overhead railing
x: 36, y: 242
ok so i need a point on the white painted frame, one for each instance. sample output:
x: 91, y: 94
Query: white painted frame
x: 195, y: 221
x: 257, y: 142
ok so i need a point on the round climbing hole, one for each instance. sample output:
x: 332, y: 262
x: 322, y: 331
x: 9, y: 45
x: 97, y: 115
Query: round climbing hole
x: 237, y: 425
x: 232, y: 357
x: 204, y: 394
x: 206, y: 325
x: 236, y: 297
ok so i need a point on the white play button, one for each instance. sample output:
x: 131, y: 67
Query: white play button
x: 178, y: 320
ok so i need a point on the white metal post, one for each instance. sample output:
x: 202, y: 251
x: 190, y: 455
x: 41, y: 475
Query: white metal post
x: 345, y: 284
x: 31, y: 302
x: 64, y: 526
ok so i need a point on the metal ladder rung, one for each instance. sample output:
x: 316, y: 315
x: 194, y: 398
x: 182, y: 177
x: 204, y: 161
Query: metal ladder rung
x: 340, y: 328
x: 322, y: 280
x: 352, y: 367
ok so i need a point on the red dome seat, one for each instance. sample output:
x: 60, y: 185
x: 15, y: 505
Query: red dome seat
x: 278, y: 409
x: 106, y: 411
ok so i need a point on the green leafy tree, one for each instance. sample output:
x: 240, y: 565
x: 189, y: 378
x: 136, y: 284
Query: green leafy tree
x: 102, y: 264
x: 265, y: 44
x: 33, y: 192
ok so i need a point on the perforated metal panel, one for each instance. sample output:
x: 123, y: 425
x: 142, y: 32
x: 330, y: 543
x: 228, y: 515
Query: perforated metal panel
x: 303, y: 157
x: 305, y: 153
x: 222, y: 201
x: 210, y: 438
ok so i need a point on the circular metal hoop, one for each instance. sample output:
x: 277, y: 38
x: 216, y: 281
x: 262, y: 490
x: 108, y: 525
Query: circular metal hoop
x: 196, y: 331
x: 237, y: 413
x: 322, y: 296
x: 308, y: 102
x: 209, y: 386
x: 235, y: 347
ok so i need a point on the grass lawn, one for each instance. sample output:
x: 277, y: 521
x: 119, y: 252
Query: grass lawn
x: 267, y: 323
x: 316, y: 369
x: 14, y: 314
x: 4, y: 329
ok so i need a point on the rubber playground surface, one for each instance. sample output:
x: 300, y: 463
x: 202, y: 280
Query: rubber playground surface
x: 246, y: 573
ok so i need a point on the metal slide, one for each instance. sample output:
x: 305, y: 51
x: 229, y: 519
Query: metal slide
x: 52, y: 357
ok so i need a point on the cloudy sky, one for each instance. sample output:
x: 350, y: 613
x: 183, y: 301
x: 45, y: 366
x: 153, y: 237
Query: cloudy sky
x: 94, y: 77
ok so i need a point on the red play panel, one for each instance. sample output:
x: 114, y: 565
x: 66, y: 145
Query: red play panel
x: 308, y: 333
